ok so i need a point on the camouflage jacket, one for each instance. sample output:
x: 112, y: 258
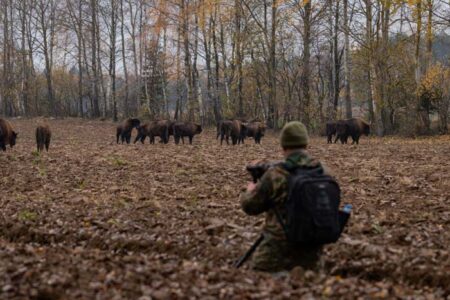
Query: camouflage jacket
x: 273, y: 189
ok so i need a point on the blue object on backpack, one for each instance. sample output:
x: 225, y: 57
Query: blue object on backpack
x: 347, y: 208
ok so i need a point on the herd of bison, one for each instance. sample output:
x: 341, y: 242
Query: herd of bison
x: 238, y: 130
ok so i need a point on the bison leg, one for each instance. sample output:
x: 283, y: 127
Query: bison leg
x: 138, y: 137
x: 166, y: 135
x: 338, y: 136
x: 47, y: 145
x: 190, y: 139
x: 143, y: 138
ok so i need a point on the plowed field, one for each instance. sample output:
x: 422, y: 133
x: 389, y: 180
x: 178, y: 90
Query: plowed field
x: 91, y: 219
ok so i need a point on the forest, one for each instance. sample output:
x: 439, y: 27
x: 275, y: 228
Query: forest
x: 207, y: 60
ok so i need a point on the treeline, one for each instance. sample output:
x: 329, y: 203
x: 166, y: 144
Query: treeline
x: 207, y: 60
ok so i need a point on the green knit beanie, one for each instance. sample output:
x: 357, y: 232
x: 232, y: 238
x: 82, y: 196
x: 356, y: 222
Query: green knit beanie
x: 294, y: 135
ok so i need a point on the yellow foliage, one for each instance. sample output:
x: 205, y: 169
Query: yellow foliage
x: 434, y: 85
x: 436, y: 77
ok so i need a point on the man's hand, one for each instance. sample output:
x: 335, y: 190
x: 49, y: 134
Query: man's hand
x: 251, y: 186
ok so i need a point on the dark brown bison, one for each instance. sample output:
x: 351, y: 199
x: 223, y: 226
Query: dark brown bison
x: 153, y: 129
x: 354, y: 128
x: 330, y: 131
x: 7, y: 135
x: 224, y: 130
x: 143, y: 132
x: 255, y: 130
x: 231, y: 128
x: 124, y: 130
x: 43, y: 136
x: 182, y: 129
x: 341, y: 131
x: 237, y: 132
x: 219, y: 128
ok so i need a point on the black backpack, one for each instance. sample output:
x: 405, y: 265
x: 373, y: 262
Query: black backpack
x: 312, y: 207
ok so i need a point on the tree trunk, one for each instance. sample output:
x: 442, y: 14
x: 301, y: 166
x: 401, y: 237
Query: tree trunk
x: 94, y: 62
x: 347, y: 70
x: 239, y: 56
x: 336, y: 60
x: 112, y: 57
x: 226, y: 78
x: 25, y: 66
x: 187, y: 61
x: 306, y: 64
x: 273, y: 66
x: 124, y: 60
x: 195, y: 74
x: 217, y: 102
x: 47, y: 49
x: 429, y: 35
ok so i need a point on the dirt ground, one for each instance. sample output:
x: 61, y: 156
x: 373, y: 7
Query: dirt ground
x: 94, y: 220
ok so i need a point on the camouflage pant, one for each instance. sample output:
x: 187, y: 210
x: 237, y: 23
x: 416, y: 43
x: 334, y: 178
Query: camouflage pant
x: 277, y: 255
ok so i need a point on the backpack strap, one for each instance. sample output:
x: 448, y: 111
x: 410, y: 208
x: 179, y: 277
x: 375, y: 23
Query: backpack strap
x: 291, y: 169
x: 280, y: 220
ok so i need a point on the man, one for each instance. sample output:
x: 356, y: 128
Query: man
x: 275, y: 254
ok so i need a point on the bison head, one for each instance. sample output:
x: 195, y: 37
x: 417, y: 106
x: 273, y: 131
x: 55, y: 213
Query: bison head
x: 135, y: 123
x: 366, y: 129
x: 262, y: 129
x: 198, y: 128
x: 12, y: 140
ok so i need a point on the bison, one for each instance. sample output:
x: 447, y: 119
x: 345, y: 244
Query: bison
x: 153, y: 129
x: 224, y: 130
x: 43, y: 136
x: 7, y: 135
x: 354, y: 128
x: 238, y: 130
x: 255, y: 130
x: 330, y: 131
x: 231, y: 128
x: 124, y: 130
x: 182, y: 129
